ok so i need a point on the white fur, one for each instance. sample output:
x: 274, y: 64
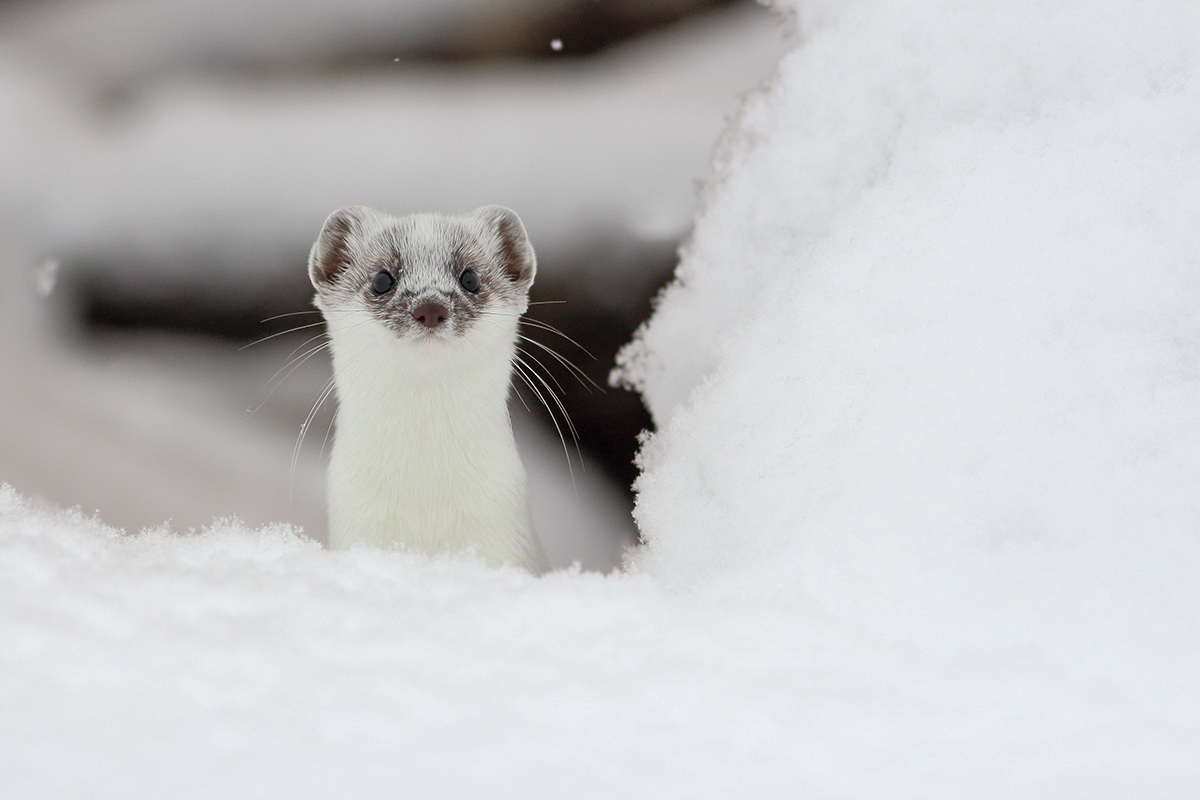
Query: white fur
x: 423, y: 454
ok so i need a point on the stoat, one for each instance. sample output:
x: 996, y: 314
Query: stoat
x: 422, y: 315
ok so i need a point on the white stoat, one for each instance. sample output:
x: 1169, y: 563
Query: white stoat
x: 422, y: 316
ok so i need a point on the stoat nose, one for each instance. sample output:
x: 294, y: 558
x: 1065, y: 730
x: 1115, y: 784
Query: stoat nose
x: 430, y: 314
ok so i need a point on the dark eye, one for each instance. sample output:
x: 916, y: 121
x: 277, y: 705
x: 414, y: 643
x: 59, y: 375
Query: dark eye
x: 383, y: 282
x: 469, y: 280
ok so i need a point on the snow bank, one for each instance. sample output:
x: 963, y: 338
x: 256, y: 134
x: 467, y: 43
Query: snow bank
x: 930, y: 363
x: 254, y: 663
x: 921, y: 508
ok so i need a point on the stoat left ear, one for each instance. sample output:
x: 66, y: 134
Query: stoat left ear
x: 514, y: 250
x: 332, y: 252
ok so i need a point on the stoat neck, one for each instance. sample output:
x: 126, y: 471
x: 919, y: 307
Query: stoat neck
x: 443, y: 405
x: 423, y: 455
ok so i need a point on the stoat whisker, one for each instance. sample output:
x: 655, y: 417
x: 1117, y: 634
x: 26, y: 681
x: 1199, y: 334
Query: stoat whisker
x: 575, y: 371
x: 524, y: 364
x: 291, y: 314
x: 322, y: 396
x: 485, y: 318
x: 281, y: 333
x: 529, y: 371
x: 547, y: 373
x: 328, y: 433
x: 293, y: 358
x: 545, y: 326
x: 571, y: 367
x: 293, y: 363
x: 312, y: 413
x: 516, y: 388
x: 517, y: 391
x: 527, y: 374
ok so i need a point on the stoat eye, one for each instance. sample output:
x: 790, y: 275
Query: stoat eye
x: 469, y: 280
x: 383, y: 282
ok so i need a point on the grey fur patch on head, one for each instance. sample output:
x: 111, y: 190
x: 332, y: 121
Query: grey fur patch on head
x: 425, y: 255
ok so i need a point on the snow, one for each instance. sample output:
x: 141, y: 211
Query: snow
x: 921, y: 507
x: 930, y: 364
x: 255, y: 662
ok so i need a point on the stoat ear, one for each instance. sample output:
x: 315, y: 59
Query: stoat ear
x: 331, y: 252
x: 515, y: 252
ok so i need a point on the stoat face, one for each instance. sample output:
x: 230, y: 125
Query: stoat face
x: 423, y: 282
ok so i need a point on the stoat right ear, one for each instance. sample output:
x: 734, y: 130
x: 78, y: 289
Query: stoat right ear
x: 331, y: 252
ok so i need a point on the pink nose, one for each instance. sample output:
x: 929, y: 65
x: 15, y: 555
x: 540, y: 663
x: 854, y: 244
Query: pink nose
x: 431, y: 314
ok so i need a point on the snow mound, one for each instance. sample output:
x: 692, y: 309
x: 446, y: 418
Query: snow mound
x: 253, y: 663
x: 930, y: 360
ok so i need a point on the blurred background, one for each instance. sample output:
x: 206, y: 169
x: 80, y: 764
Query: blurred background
x: 166, y: 164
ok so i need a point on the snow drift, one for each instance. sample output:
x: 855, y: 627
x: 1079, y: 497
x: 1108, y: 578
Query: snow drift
x: 921, y: 509
x: 930, y: 365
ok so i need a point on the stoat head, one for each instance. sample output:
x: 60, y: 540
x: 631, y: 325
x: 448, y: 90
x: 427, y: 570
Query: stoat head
x: 423, y: 278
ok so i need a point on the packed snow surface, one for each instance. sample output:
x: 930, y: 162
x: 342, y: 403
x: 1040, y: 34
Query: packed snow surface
x: 921, y: 511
